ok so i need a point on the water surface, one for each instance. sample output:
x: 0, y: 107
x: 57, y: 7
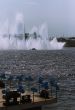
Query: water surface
x: 60, y: 63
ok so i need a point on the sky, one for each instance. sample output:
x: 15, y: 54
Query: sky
x: 59, y: 15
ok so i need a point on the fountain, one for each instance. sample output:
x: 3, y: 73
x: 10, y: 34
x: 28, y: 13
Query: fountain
x: 38, y: 38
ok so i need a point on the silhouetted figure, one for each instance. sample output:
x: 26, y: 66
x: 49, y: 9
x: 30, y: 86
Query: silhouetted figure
x: 11, y: 98
x: 44, y: 94
x: 25, y: 99
x: 2, y: 85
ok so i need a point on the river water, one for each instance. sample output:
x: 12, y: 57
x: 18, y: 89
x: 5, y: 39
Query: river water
x: 60, y: 63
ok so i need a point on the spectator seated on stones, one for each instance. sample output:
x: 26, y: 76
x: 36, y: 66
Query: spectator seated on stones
x: 25, y: 99
x: 44, y: 94
x: 2, y: 85
x: 11, y: 98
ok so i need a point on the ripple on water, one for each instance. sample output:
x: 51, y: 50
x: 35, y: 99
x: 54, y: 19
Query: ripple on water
x: 60, y: 63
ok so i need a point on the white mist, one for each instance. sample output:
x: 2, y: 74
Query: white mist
x: 42, y: 41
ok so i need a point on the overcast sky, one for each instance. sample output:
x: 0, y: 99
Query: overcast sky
x: 58, y: 14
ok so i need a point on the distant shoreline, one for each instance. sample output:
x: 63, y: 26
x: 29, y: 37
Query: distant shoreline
x: 69, y: 42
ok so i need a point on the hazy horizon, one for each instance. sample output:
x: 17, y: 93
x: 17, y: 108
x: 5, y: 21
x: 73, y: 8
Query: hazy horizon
x: 57, y: 14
